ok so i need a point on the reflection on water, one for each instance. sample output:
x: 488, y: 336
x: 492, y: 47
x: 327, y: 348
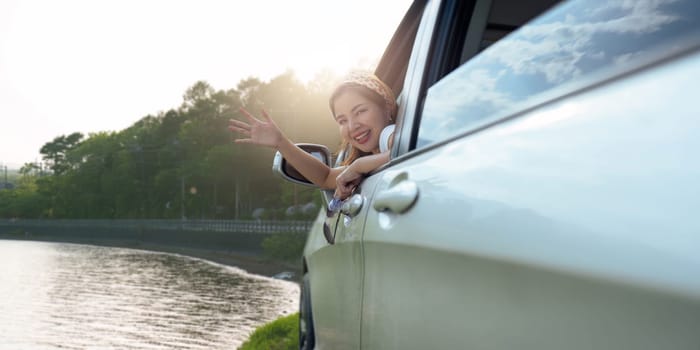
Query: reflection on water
x: 68, y: 296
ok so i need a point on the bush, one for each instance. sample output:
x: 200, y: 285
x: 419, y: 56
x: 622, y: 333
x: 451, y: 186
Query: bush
x: 284, y: 246
x: 281, y: 334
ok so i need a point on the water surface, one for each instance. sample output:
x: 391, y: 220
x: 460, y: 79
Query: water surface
x: 70, y: 296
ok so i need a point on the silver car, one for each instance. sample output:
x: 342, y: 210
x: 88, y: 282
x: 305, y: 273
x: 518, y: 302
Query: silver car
x: 543, y: 192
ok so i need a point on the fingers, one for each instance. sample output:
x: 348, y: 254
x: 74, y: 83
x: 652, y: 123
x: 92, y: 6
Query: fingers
x: 263, y: 132
x: 249, y: 116
x: 267, y: 116
x: 343, y: 192
x: 254, y: 120
x: 345, y: 185
x: 238, y: 125
x: 239, y: 130
x: 341, y: 188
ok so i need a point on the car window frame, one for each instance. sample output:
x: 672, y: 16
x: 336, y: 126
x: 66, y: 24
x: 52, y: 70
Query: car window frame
x: 413, y: 84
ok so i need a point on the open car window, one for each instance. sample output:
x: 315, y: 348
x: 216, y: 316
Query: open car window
x: 394, y: 62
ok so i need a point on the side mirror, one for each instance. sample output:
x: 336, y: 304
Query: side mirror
x: 281, y: 167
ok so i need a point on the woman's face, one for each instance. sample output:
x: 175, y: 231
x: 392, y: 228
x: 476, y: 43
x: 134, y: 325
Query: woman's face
x: 360, y: 120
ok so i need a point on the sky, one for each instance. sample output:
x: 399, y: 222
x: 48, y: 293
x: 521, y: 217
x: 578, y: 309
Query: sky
x: 88, y: 66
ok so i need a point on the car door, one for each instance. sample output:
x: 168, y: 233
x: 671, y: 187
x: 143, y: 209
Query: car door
x: 531, y: 211
x: 335, y: 280
x: 337, y: 268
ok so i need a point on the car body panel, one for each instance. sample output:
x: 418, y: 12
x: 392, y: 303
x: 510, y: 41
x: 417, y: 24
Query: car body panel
x: 337, y: 275
x: 572, y: 226
x: 336, y: 286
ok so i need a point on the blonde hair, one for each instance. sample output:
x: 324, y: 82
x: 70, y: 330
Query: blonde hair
x: 372, y: 88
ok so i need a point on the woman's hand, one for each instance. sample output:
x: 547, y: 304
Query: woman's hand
x: 260, y: 132
x: 346, y: 182
x: 354, y: 173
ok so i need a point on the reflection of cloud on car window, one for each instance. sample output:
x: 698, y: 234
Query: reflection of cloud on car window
x: 477, y: 89
x: 641, y: 16
x: 624, y: 59
x: 557, y: 49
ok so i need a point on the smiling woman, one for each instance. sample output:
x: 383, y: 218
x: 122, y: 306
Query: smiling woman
x: 51, y: 51
x: 363, y: 107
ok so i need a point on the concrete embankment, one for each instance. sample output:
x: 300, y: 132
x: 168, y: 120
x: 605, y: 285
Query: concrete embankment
x: 234, y: 243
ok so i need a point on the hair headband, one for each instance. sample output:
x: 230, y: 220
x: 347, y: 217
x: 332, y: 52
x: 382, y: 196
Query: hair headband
x: 372, y: 82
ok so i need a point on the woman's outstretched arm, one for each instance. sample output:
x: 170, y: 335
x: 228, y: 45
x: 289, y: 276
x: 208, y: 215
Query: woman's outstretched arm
x: 264, y: 132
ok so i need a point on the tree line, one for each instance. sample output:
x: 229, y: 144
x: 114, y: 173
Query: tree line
x: 180, y: 163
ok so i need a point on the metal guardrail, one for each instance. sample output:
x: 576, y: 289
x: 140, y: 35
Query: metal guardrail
x: 250, y: 226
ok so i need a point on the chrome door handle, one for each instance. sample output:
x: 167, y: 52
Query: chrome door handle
x: 352, y: 205
x: 397, y: 198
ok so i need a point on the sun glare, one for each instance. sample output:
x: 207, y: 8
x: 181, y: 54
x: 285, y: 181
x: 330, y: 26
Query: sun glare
x: 139, y: 57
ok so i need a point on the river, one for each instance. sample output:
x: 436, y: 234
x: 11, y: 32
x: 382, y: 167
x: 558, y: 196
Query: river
x: 71, y: 296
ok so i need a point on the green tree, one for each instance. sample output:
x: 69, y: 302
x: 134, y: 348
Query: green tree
x: 139, y: 172
x: 55, y: 152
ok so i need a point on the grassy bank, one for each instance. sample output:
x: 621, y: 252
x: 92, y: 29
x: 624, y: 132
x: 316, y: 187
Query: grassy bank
x: 281, y: 334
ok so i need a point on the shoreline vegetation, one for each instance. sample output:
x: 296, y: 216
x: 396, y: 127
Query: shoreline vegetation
x: 280, y: 334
